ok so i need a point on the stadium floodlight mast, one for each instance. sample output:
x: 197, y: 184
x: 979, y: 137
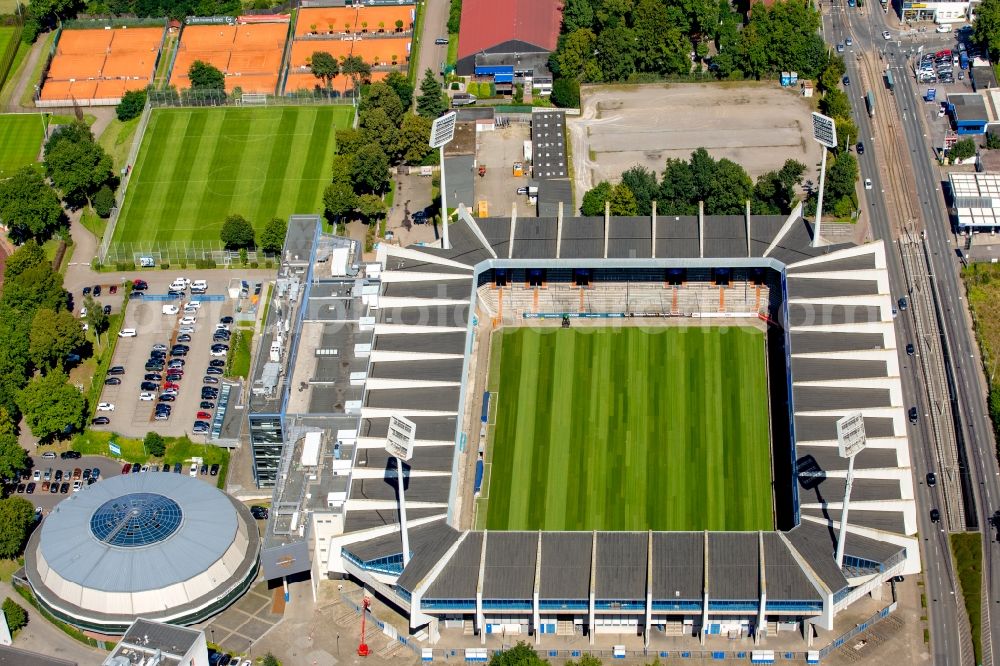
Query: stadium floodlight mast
x: 442, y: 132
x: 399, y: 443
x: 825, y: 134
x: 851, y: 441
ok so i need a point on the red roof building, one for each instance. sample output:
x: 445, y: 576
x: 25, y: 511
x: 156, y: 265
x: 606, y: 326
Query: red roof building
x: 502, y: 32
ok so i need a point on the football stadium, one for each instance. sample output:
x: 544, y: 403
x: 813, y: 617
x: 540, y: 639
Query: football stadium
x: 618, y: 426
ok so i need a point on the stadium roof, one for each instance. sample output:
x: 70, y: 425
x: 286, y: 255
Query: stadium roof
x: 488, y: 23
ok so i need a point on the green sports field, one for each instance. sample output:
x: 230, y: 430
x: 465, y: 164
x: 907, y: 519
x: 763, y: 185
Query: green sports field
x: 629, y: 429
x: 21, y: 137
x: 197, y: 166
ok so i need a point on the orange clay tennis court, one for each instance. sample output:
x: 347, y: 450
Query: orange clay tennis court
x: 97, y: 67
x: 340, y: 20
x: 249, y: 55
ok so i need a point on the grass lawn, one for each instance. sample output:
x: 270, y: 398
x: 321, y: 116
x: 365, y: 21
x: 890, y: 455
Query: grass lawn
x: 629, y: 429
x: 198, y: 166
x: 117, y: 140
x: 967, y: 548
x: 7, y: 569
x: 93, y: 222
x: 28, y: 96
x: 179, y: 450
x: 239, y: 356
x: 21, y: 137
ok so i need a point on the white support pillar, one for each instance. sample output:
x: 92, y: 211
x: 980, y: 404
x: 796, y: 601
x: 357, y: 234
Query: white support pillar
x: 445, y: 243
x: 480, y: 616
x: 403, y: 526
x: 761, y: 617
x: 653, y: 239
x: 842, y: 535
x: 701, y: 229
x: 593, y: 588
x: 746, y: 221
x: 513, y: 226
x: 559, y: 229
x: 536, y: 615
x: 704, y: 594
x: 649, y: 589
x: 816, y: 242
x: 607, y: 226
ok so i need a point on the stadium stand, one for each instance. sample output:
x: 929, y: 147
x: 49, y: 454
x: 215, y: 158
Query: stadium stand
x: 97, y: 67
x: 402, y: 329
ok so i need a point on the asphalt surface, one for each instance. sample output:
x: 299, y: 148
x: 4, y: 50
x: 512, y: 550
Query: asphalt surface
x: 433, y: 56
x: 48, y: 500
x: 972, y: 426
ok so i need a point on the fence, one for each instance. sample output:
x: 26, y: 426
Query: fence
x: 109, y: 231
x: 181, y: 253
x: 864, y: 626
x: 85, y: 22
x: 192, y: 98
x: 7, y: 57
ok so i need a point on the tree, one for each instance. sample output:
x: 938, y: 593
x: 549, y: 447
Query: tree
x: 7, y: 424
x: 566, y: 93
x: 51, y: 406
x: 577, y: 14
x: 36, y: 287
x: 642, y: 183
x: 28, y: 207
x: 78, y: 170
x: 272, y: 238
x: 54, y: 336
x: 992, y: 140
x: 13, y: 458
x: 104, y: 201
x: 519, y: 93
x: 414, y: 134
x: 430, y: 102
x: 349, y: 140
x: 594, y: 199
x: 835, y: 103
x: 155, y: 445
x: 357, y: 69
x: 729, y: 191
x: 16, y: 516
x: 270, y: 660
x: 339, y: 200
x: 622, y: 200
x: 775, y: 190
x: 74, y: 132
x: 16, y: 616
x: 371, y: 206
x: 204, y: 76
x: 381, y: 95
x: 520, y: 655
x: 962, y: 150
x: 616, y: 53
x: 341, y: 167
x: 378, y: 129
x: 591, y: 660
x: 847, y: 133
x: 96, y: 319
x: 370, y: 169
x: 402, y: 86
x: 841, y: 177
x: 131, y: 105
x: 324, y: 66
x: 237, y: 232
x: 986, y: 28
x: 29, y: 255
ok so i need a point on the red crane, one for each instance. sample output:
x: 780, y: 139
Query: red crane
x: 363, y: 649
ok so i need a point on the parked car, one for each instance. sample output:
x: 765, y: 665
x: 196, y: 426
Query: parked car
x: 105, y: 407
x: 159, y: 346
x: 146, y: 396
x: 112, y: 381
x: 226, y: 320
x: 177, y: 468
x: 58, y: 475
x: 86, y: 291
x: 30, y: 489
x: 100, y: 420
x: 931, y: 479
x: 116, y: 370
x: 214, y: 470
x: 140, y: 285
x: 216, y: 363
x: 107, y: 309
x: 176, y: 363
x: 184, y: 338
x: 97, y: 290
x: 166, y: 397
x: 213, y: 370
x: 148, y: 386
x: 153, y: 377
x: 206, y: 405
x: 209, y: 379
x: 259, y: 512
x: 126, y: 468
x: 64, y: 488
x: 203, y: 416
x: 65, y: 455
x: 199, y: 428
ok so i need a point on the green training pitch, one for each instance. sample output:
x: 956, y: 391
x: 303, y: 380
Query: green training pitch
x: 630, y: 429
x: 198, y: 166
x: 21, y: 137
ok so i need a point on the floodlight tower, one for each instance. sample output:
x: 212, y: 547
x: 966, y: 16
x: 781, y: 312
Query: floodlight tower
x: 851, y: 441
x: 825, y: 134
x: 399, y: 443
x: 442, y: 132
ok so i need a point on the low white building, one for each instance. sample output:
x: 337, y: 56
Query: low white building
x: 939, y: 12
x: 159, y: 644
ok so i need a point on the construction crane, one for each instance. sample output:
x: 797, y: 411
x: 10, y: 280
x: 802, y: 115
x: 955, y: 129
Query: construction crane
x: 363, y: 650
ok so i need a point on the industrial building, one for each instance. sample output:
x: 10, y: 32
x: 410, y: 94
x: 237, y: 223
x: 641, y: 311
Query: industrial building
x: 164, y: 547
x: 149, y: 643
x: 364, y: 342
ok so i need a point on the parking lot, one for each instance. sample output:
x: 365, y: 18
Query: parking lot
x: 46, y: 500
x: 498, y: 151
x: 132, y: 415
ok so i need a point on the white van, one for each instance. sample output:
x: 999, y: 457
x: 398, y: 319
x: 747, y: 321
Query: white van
x: 170, y: 309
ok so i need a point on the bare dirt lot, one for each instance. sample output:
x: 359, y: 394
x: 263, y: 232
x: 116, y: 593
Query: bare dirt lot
x: 757, y: 125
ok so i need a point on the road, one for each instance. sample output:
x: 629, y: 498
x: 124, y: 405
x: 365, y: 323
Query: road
x: 432, y: 56
x: 948, y: 633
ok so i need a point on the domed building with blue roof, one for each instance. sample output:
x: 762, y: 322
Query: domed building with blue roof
x: 164, y: 547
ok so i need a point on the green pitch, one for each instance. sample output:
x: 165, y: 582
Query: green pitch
x: 198, y: 166
x: 630, y: 429
x: 21, y: 137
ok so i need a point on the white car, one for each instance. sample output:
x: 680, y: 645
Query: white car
x: 886, y: 35
x: 77, y: 486
x: 868, y: 183
x: 192, y: 304
x: 222, y: 327
x: 86, y: 326
x: 194, y: 469
x: 189, y: 321
x: 83, y: 312
x: 146, y: 396
x: 221, y: 352
x: 106, y: 407
x: 127, y: 333
x: 943, y: 28
x: 186, y: 329
x: 199, y: 285
x: 170, y: 309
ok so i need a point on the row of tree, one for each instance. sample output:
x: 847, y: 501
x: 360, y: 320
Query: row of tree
x: 237, y: 233
x: 842, y: 171
x: 723, y: 185
x: 614, y: 40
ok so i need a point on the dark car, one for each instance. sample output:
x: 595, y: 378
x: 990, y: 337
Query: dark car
x: 861, y: 148
x: 70, y: 455
x: 86, y: 291
x: 113, y: 289
x: 209, y: 390
x: 902, y: 303
x: 58, y: 476
x: 107, y: 309
x: 847, y: 80
x: 199, y: 428
x: 176, y: 363
x: 209, y: 379
x: 203, y: 469
x: 64, y: 488
x: 54, y: 488
x: 100, y: 420
x: 97, y: 290
x: 213, y: 370
x: 154, y: 366
x: 931, y: 479
x: 220, y: 337
x: 175, y: 292
x: 136, y: 468
x: 180, y: 348
x: 177, y: 468
x: 214, y: 470
x: 96, y: 474
x: 909, y: 349
x: 126, y: 468
x: 912, y: 414
x: 148, y: 386
x: 166, y: 397
x: 153, y: 377
x: 226, y: 320
x: 112, y: 381
x: 183, y: 337
x: 86, y: 473
x: 21, y: 487
x: 216, y: 363
x: 259, y: 512
x: 116, y: 370
x: 220, y: 347
x: 178, y: 352
x: 140, y: 285
x: 206, y: 405
x: 441, y: 41
x: 935, y: 515
x: 30, y: 489
x: 174, y: 376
